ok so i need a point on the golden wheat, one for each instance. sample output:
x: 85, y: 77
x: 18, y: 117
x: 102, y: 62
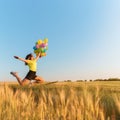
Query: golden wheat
x: 62, y: 103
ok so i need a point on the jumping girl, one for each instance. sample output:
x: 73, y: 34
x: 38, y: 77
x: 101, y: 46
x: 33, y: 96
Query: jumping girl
x: 31, y: 62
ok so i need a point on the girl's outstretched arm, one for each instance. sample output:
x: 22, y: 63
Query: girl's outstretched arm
x: 38, y: 56
x: 22, y: 59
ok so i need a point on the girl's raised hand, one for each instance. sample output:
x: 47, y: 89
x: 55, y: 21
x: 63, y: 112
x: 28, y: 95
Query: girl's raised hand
x: 16, y: 57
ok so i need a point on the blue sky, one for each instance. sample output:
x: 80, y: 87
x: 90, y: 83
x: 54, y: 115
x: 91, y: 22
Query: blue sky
x: 84, y: 39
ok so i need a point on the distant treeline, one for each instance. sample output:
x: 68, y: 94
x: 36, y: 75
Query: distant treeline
x: 110, y: 79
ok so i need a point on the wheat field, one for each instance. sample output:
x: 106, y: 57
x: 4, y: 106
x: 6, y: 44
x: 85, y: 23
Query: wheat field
x: 61, y: 101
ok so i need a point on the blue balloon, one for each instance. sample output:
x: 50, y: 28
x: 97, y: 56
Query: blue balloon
x: 34, y: 48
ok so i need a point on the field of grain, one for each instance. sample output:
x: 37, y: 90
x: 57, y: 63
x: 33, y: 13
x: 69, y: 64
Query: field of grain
x: 98, y: 100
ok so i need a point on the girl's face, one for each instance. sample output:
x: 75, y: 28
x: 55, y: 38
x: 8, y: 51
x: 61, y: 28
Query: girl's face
x: 32, y: 57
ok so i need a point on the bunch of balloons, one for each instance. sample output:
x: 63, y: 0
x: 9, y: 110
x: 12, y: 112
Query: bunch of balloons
x: 41, y: 46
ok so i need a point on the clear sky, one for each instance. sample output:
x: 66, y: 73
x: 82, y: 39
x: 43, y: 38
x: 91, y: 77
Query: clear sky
x: 84, y: 38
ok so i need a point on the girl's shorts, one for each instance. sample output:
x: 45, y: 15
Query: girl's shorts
x: 31, y: 75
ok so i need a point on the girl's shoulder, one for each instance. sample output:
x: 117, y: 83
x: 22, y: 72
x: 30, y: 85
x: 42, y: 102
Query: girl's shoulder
x: 28, y: 61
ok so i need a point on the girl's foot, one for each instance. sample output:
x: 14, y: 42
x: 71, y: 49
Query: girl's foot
x: 14, y: 73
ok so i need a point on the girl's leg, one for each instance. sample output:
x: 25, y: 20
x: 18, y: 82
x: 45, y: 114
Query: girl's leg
x: 39, y: 79
x: 21, y: 82
x: 25, y: 82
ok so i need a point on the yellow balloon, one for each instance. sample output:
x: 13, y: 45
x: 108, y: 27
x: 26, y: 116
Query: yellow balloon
x: 36, y: 51
x: 39, y: 42
x: 43, y: 54
x: 39, y: 49
x: 45, y: 40
x: 36, y: 54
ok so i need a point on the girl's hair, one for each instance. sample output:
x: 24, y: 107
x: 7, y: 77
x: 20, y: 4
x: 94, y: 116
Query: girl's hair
x: 28, y: 57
